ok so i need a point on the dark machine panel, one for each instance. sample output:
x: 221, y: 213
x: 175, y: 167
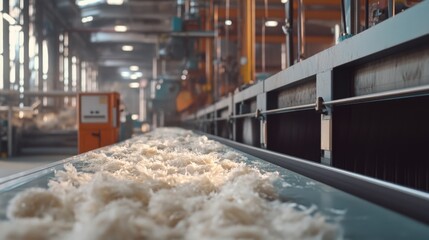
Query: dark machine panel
x: 387, y: 140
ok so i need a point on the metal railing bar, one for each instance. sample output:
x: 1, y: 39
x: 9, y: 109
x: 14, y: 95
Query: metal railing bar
x: 243, y: 115
x: 290, y: 109
x: 414, y: 91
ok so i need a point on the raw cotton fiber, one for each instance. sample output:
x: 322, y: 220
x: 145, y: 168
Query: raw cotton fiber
x: 167, y: 184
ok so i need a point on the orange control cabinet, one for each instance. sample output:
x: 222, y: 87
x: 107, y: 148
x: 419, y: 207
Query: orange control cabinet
x: 98, y: 115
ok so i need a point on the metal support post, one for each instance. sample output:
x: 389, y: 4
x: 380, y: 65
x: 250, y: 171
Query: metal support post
x: 26, y: 30
x: 142, y: 102
x: 6, y: 48
x: 261, y: 103
x: 9, y: 130
x: 161, y: 118
x: 231, y: 112
x: 233, y: 121
x: 39, y: 29
x: 324, y: 91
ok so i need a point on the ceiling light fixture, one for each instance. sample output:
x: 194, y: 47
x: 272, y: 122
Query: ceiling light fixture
x: 134, y: 68
x: 134, y: 85
x: 271, y: 23
x: 87, y: 19
x: 125, y: 74
x: 83, y: 3
x: 136, y: 75
x: 115, y: 2
x: 284, y: 1
x: 127, y: 48
x: 120, y: 28
x: 228, y: 22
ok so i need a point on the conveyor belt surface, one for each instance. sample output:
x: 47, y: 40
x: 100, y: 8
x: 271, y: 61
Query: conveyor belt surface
x: 356, y: 218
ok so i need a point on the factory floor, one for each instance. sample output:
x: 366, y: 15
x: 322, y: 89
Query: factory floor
x: 9, y: 166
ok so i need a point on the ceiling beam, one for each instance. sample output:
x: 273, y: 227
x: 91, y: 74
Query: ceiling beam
x: 103, y: 37
x: 280, y: 14
x: 124, y: 13
x: 147, y: 30
x: 282, y: 39
x: 124, y: 63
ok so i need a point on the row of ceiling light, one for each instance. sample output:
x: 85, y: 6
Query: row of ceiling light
x: 133, y: 73
x: 269, y: 23
x: 85, y: 3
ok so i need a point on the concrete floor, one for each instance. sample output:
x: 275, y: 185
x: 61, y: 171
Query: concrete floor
x: 9, y: 166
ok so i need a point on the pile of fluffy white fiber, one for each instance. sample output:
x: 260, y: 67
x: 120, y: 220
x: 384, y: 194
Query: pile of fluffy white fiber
x: 168, y: 184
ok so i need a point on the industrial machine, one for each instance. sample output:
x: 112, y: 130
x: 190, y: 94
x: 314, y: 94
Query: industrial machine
x: 359, y: 106
x: 98, y: 117
x: 365, y: 208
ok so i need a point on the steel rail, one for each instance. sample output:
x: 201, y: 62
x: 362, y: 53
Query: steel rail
x: 20, y: 178
x: 243, y: 115
x: 408, y: 92
x: 290, y: 109
x: 210, y: 119
x: 406, y: 201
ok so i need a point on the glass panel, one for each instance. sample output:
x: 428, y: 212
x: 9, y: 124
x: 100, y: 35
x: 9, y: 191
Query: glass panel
x: 66, y: 74
x: 1, y: 31
x: 83, y: 78
x: 1, y: 47
x: 1, y: 71
x: 74, y: 73
x: 45, y: 59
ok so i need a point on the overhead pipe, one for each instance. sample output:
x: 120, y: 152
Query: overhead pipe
x: 180, y: 8
x: 301, y: 31
x: 216, y: 81
x: 208, y: 47
x: 391, y: 8
x: 356, y: 17
x: 263, y: 35
x: 248, y: 41
x: 343, y: 17
x: 187, y: 8
x: 366, y: 14
x: 288, y: 30
x: 227, y: 5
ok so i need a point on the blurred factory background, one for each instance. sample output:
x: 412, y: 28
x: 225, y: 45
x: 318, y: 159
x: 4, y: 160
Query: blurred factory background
x: 266, y: 73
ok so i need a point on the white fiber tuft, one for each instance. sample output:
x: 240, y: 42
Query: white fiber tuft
x: 167, y: 184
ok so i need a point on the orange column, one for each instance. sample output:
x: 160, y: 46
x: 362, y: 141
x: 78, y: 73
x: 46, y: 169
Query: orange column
x: 248, y: 41
x: 209, y: 48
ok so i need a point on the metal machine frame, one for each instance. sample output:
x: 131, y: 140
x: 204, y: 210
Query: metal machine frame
x: 386, y: 62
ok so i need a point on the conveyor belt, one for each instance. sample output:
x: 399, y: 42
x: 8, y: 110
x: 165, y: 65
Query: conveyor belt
x: 412, y: 203
x: 359, y: 218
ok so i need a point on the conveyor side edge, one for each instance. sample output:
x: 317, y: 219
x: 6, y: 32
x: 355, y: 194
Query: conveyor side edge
x: 409, y: 202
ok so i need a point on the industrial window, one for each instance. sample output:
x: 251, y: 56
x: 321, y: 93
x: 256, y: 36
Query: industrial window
x: 65, y: 45
x: 16, y: 48
x: 33, y: 50
x: 1, y: 46
x: 83, y: 77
